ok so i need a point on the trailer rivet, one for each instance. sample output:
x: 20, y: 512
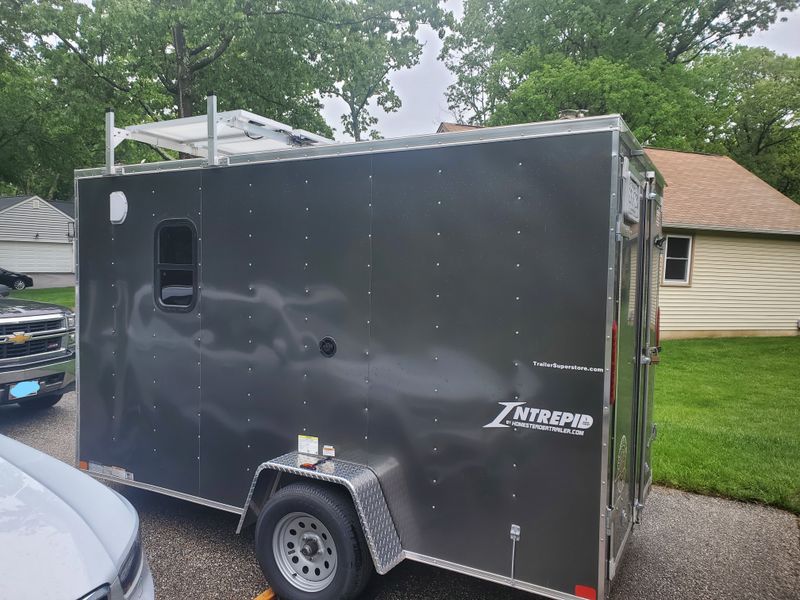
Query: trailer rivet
x: 437, y: 264
x: 366, y: 437
x: 519, y: 197
x: 435, y: 419
x: 516, y: 333
x: 520, y: 164
x: 366, y: 380
x: 435, y: 390
x: 518, y: 265
x: 515, y: 465
x: 513, y: 495
x: 435, y: 358
x: 438, y: 233
x: 306, y: 237
x: 433, y: 507
x: 434, y: 482
x: 440, y: 171
x: 437, y: 327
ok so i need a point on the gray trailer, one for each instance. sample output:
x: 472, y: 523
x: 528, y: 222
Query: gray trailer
x: 435, y: 348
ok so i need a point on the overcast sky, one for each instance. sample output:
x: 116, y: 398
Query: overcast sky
x: 422, y: 89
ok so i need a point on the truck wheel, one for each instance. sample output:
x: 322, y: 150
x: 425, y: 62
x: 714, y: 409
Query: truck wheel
x: 41, y: 402
x: 310, y: 545
x: 18, y: 284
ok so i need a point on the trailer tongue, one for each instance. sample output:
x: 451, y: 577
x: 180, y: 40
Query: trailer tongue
x: 436, y: 348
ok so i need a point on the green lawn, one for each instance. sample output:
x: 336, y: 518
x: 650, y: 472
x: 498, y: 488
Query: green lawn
x: 728, y: 414
x: 64, y: 296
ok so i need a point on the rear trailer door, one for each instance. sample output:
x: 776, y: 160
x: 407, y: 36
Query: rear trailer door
x: 650, y: 341
x: 629, y: 340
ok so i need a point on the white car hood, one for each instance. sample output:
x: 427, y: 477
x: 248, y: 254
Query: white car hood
x: 62, y: 534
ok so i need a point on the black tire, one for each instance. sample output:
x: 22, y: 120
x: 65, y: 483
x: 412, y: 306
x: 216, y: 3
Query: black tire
x: 18, y: 285
x: 334, y: 509
x: 41, y: 402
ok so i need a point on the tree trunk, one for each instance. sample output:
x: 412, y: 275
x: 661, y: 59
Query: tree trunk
x: 183, y: 75
x: 354, y: 121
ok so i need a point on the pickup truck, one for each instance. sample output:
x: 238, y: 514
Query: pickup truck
x: 37, y: 353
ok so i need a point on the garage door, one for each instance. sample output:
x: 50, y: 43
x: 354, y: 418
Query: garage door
x: 36, y: 257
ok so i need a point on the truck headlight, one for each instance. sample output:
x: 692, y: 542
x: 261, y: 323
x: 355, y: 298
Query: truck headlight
x: 71, y: 320
x: 131, y: 566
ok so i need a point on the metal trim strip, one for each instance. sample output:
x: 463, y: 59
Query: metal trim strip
x: 167, y: 492
x: 34, y: 318
x: 486, y: 576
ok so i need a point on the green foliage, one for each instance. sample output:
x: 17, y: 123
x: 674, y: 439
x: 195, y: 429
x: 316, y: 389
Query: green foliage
x: 667, y: 67
x: 755, y: 97
x: 661, y: 110
x: 63, y: 61
x: 728, y: 416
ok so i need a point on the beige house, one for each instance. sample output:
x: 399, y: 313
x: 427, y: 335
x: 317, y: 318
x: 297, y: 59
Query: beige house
x: 732, y: 259
x: 732, y: 255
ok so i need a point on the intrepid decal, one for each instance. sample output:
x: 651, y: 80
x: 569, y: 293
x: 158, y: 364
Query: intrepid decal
x: 542, y: 419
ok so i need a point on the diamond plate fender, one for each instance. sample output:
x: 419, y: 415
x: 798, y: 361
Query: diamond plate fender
x: 365, y: 489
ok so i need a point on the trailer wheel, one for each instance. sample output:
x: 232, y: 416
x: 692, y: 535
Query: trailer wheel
x: 310, y: 545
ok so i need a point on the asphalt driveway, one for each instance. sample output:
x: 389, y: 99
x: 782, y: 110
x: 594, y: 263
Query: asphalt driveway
x: 689, y: 547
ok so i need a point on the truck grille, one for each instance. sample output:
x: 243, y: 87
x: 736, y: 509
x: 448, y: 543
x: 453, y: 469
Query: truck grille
x: 30, y: 338
x: 30, y: 327
x: 29, y: 348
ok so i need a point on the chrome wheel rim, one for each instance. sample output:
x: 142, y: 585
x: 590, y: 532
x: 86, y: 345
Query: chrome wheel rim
x: 305, y: 552
x: 19, y: 284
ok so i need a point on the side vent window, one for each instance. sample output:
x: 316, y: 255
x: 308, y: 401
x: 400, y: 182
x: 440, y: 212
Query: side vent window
x: 176, y: 265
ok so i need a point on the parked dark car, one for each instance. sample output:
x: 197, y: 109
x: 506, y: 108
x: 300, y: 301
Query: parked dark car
x: 17, y: 281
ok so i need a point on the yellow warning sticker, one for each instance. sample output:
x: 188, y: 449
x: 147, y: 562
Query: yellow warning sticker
x: 308, y: 444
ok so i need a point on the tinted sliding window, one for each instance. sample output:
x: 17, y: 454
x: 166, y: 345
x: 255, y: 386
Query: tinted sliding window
x: 176, y: 266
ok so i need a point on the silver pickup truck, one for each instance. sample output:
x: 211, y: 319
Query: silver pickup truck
x: 37, y: 352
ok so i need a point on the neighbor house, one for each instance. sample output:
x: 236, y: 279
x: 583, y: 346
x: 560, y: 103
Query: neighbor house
x: 731, y: 264
x: 36, y: 235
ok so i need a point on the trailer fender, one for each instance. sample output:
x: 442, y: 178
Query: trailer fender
x: 360, y: 481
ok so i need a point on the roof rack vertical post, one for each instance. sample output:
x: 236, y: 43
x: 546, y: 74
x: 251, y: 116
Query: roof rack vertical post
x: 211, y: 115
x: 110, y: 145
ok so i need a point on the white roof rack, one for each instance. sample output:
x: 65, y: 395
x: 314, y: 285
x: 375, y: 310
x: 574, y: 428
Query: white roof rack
x: 228, y: 133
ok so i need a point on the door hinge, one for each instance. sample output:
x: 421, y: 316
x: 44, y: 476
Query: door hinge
x: 609, y: 513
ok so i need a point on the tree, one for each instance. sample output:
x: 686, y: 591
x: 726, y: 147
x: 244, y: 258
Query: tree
x: 641, y: 33
x: 374, y: 39
x: 663, y: 110
x: 755, y: 96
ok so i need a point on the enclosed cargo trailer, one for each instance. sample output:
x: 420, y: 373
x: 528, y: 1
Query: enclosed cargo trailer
x: 435, y: 348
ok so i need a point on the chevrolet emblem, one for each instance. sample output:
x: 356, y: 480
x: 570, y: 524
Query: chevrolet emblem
x: 20, y: 337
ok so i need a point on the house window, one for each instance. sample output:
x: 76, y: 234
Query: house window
x: 176, y: 265
x: 678, y: 260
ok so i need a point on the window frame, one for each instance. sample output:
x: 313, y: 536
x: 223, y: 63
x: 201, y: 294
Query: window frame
x: 159, y: 266
x: 689, y: 261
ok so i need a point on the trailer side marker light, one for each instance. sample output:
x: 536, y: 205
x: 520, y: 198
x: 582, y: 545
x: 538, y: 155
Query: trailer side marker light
x: 612, y: 397
x: 83, y: 465
x: 267, y: 594
x: 584, y: 591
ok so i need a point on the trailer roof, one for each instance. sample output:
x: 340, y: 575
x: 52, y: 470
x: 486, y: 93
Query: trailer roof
x: 318, y: 147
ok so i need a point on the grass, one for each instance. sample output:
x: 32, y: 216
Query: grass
x: 728, y: 414
x: 64, y: 296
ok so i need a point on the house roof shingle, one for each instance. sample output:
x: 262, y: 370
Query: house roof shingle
x: 67, y: 208
x: 714, y: 192
x: 9, y: 201
x: 445, y: 127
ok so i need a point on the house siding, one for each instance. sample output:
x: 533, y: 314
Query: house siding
x: 739, y: 285
x: 22, y: 222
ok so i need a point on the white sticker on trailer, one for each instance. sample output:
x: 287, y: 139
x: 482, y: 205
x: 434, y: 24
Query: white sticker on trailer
x: 308, y: 444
